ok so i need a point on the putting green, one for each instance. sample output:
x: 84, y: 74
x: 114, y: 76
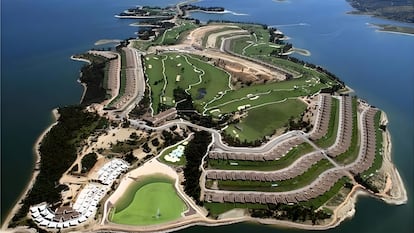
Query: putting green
x: 153, y: 203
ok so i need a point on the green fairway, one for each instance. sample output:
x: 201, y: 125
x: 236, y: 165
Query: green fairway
x: 154, y: 73
x: 150, y: 203
x: 168, y: 71
x: 263, y: 121
x: 228, y: 28
x: 173, y: 35
x: 264, y: 93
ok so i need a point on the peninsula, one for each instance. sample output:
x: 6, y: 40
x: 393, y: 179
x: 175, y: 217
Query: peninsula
x: 206, y: 124
x: 400, y: 10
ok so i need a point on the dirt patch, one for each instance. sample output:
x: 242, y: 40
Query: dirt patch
x: 241, y: 74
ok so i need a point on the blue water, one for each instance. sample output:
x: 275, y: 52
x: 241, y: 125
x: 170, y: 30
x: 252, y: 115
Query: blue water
x: 38, y: 38
x: 37, y: 76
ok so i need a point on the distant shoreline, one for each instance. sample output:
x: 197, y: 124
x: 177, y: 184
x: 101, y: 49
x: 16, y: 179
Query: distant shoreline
x: 401, y: 30
x: 142, y: 17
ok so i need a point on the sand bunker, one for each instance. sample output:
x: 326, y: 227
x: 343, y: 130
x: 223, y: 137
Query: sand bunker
x: 243, y: 107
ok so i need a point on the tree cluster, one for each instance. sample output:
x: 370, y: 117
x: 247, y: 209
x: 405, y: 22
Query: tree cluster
x: 93, y: 76
x: 88, y: 161
x: 170, y: 138
x: 186, y: 110
x: 290, y: 212
x: 298, y: 124
x: 366, y: 183
x: 194, y: 152
x: 189, y: 7
x: 58, y: 151
x: 234, y: 141
x: 130, y: 158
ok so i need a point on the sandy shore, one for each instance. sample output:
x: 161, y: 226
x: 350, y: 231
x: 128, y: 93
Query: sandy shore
x: 348, y: 90
x: 394, y: 191
x: 80, y: 59
x: 36, y: 150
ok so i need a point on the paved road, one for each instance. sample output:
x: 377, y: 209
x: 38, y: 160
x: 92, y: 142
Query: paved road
x: 218, y: 142
x: 219, y: 145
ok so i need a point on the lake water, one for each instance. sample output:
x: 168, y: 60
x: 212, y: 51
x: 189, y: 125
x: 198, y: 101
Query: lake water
x: 38, y: 37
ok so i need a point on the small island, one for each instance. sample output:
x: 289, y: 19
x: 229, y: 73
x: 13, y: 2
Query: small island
x: 206, y: 124
x: 148, y: 12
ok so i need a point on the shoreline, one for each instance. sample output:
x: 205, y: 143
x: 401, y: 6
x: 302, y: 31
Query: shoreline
x: 385, y: 28
x: 346, y: 208
x: 36, y: 150
x: 80, y: 59
x: 393, y: 32
x: 85, y: 87
x: 107, y: 41
x: 188, y: 12
x: 397, y: 192
x: 348, y: 205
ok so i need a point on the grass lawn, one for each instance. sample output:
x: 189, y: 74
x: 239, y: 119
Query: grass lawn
x: 322, y: 199
x: 329, y: 138
x: 171, y: 70
x: 270, y: 92
x: 257, y: 45
x: 205, y: 38
x: 216, y: 209
x: 274, y: 165
x: 295, y: 68
x: 179, y: 73
x: 261, y: 49
x: 285, y: 185
x: 237, y: 45
x: 262, y: 34
x: 214, y: 80
x: 151, y: 203
x: 153, y: 70
x: 263, y: 121
x: 172, y: 36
